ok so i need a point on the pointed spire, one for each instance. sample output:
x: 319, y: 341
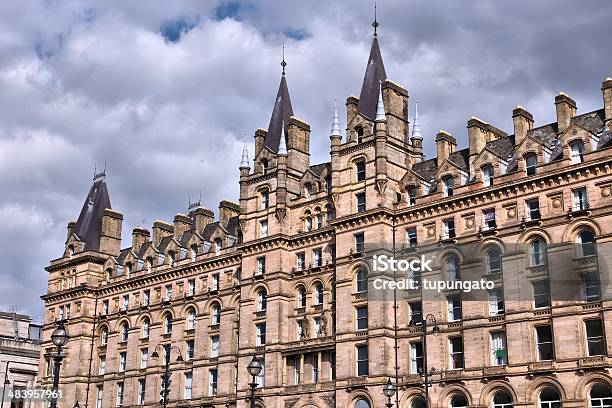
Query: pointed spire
x: 375, y: 73
x: 282, y: 147
x: 335, y: 130
x: 281, y: 113
x: 89, y: 225
x: 244, y: 162
x: 416, y: 126
x: 380, y: 107
x: 375, y: 23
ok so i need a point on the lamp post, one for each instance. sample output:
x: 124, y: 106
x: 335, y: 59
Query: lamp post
x: 389, y: 391
x: 165, y: 391
x: 254, y: 368
x: 435, y: 330
x: 5, y: 383
x: 60, y: 338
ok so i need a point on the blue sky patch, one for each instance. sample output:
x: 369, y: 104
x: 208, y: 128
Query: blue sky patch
x: 172, y: 31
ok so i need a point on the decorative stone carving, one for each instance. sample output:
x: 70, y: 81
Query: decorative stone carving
x: 511, y: 213
x: 606, y: 191
x: 469, y: 222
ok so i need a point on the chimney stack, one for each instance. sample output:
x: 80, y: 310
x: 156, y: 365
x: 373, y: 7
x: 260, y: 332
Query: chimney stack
x: 201, y: 217
x: 110, y: 237
x: 566, y: 110
x: 606, y: 89
x: 227, y: 209
x: 523, y: 121
x: 182, y: 223
x: 445, y: 145
x: 71, y: 228
x: 139, y: 237
x: 161, y: 230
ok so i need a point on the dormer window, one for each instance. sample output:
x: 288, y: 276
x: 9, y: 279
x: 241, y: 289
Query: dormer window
x: 412, y: 194
x: 109, y: 274
x: 70, y: 251
x: 171, y: 258
x: 218, y: 246
x: 487, y: 175
x: 449, y: 186
x: 264, y: 166
x: 531, y: 161
x: 194, y: 252
x: 359, y: 131
x: 577, y: 152
x: 128, y: 268
x: 149, y: 264
x: 360, y: 170
x: 308, y: 190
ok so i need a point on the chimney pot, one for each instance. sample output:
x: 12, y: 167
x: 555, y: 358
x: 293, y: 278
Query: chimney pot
x: 566, y: 110
x: 523, y: 122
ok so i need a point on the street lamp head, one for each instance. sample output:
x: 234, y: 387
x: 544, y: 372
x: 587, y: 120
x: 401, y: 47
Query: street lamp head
x: 60, y: 336
x: 389, y: 389
x: 254, y: 367
x: 76, y: 405
x: 179, y: 359
x: 7, y: 382
x: 155, y: 355
x: 436, y: 329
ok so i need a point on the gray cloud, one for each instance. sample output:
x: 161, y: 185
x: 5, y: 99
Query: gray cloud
x: 164, y: 91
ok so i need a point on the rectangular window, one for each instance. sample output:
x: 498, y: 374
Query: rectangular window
x: 319, y: 220
x: 361, y: 171
x: 544, y: 341
x: 297, y: 370
x: 489, y: 220
x: 455, y: 347
x: 212, y: 382
x: 126, y: 302
x: 332, y: 365
x: 142, y: 386
x: 499, y: 354
x: 169, y: 292
x: 61, y: 313
x: 589, y: 283
x: 416, y: 312
x: 265, y: 200
x: 541, y: 295
x: 263, y: 228
x: 146, y: 297
x: 300, y: 261
x: 105, y: 306
x: 317, y: 326
x: 315, y: 367
x: 416, y: 358
x: 216, y: 281
x: 454, y: 308
x: 449, y: 229
x: 362, y: 360
x: 191, y: 287
x: 214, y: 346
x: 581, y: 201
x: 119, y: 399
x: 359, y: 242
x: 190, y: 345
x: 299, y: 327
x: 594, y: 337
x: 260, y: 329
x: 362, y: 318
x: 261, y: 265
x: 317, y: 257
x: 122, y: 361
x: 261, y: 377
x: 361, y: 202
x: 533, y: 209
x: 188, y: 385
x: 411, y: 237
x: 496, y: 302
x: 144, y: 357
x: 99, y: 396
x: 101, y: 365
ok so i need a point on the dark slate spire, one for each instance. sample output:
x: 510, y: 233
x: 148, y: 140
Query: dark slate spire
x: 281, y: 113
x: 89, y: 225
x: 374, y: 75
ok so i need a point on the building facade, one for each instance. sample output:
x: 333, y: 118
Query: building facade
x: 283, y: 275
x: 20, y: 339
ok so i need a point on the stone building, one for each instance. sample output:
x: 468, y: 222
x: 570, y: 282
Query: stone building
x: 282, y: 275
x: 20, y: 339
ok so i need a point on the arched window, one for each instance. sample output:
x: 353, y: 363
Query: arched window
x: 319, y: 219
x: 216, y: 314
x: 168, y: 323
x: 264, y: 166
x: 318, y: 294
x: 191, y: 319
x: 103, y: 336
x: 451, y: 266
x: 124, y: 332
x: 330, y: 213
x: 359, y: 131
x: 502, y: 399
x: 549, y: 398
x: 537, y: 252
x: 577, y: 151
x: 264, y: 199
x: 487, y: 175
x: 308, y: 223
x: 262, y: 300
x: 360, y: 170
x: 586, y: 243
x: 531, y: 161
x: 418, y: 402
x: 146, y: 328
x: 600, y: 396
x: 362, y: 403
x: 301, y: 297
x: 458, y: 401
x: 412, y: 195
x: 494, y: 261
x: 362, y: 280
x: 449, y: 186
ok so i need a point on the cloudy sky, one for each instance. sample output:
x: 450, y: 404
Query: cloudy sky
x: 163, y: 91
